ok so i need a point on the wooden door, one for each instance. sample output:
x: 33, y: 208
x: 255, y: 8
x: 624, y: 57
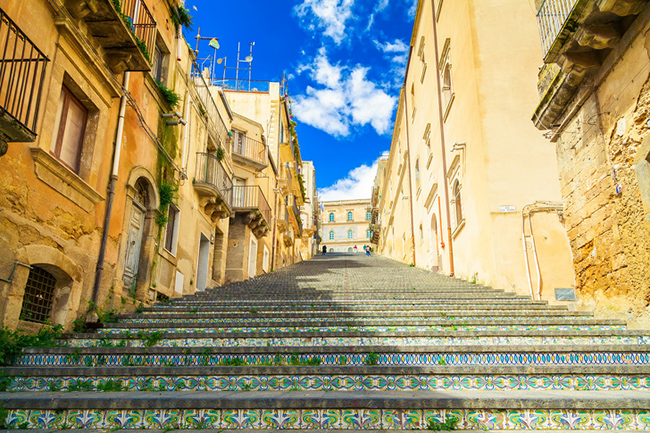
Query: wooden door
x: 136, y: 229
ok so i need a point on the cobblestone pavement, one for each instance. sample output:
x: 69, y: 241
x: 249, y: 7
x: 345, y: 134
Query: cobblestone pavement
x: 345, y: 275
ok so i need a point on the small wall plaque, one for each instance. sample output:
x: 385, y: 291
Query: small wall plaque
x: 565, y: 295
x: 507, y: 209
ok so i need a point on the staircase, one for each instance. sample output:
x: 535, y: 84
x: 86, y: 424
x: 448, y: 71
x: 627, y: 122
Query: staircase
x: 340, y: 342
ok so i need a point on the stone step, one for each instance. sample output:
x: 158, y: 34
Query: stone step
x: 339, y: 355
x: 160, y: 338
x: 330, y: 378
x: 370, y: 295
x: 331, y: 410
x: 206, y: 324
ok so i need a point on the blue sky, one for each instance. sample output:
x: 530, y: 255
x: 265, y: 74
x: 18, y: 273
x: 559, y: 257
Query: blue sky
x: 344, y: 60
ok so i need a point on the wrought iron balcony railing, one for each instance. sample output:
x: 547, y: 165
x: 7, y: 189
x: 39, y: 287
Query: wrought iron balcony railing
x: 141, y: 21
x: 250, y: 148
x: 216, y: 126
x: 210, y: 172
x: 551, y: 17
x: 22, y: 72
x: 251, y: 198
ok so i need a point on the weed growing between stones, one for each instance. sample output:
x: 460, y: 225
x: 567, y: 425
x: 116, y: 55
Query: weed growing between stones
x: 13, y: 342
x: 373, y: 359
x: 449, y: 424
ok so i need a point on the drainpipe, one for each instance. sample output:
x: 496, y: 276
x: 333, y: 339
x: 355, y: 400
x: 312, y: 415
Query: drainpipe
x: 442, y: 141
x: 408, y: 161
x: 111, y: 189
x: 187, y: 117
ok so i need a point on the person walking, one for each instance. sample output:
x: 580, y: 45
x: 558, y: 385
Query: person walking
x: 355, y: 249
x: 324, y: 249
x: 368, y: 250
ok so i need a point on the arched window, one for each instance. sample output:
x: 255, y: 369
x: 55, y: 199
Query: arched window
x: 417, y: 172
x: 350, y: 234
x: 350, y: 250
x: 332, y: 217
x: 368, y: 233
x: 458, y: 202
x: 349, y: 216
x: 331, y: 234
x: 39, y: 296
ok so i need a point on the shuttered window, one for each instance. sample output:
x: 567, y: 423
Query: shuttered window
x: 71, y: 129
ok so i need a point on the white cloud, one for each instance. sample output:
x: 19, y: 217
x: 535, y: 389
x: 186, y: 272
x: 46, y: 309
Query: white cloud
x: 347, y: 98
x: 413, y: 9
x: 329, y: 15
x: 381, y: 5
x: 397, y: 51
x: 356, y: 185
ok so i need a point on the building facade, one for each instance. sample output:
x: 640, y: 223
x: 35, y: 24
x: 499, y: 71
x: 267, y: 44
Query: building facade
x: 127, y: 175
x: 594, y: 90
x: 345, y: 224
x: 310, y: 212
x: 462, y: 188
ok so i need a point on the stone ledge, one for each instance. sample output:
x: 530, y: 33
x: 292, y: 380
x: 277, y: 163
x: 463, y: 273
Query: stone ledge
x: 510, y: 400
x: 51, y: 171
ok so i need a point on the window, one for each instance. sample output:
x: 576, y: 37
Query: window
x: 457, y: 203
x: 39, y: 294
x: 349, y: 216
x: 171, y: 231
x: 331, y: 235
x: 350, y: 250
x: 350, y: 234
x: 368, y: 233
x: 368, y: 215
x: 239, y: 142
x: 281, y: 132
x: 332, y: 217
x: 159, y: 61
x: 417, y: 172
x: 423, y: 63
x: 447, y: 88
x: 71, y: 121
x: 413, y: 110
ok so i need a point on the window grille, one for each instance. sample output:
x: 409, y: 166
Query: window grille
x: 39, y: 294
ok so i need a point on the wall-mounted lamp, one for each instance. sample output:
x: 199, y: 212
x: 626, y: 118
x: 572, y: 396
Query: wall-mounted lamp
x: 458, y: 146
x: 175, y: 114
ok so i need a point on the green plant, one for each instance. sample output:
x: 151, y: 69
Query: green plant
x: 13, y: 342
x: 167, y: 193
x: 441, y: 361
x: 79, y: 325
x: 111, y: 385
x: 373, y: 359
x: 235, y: 361
x: 81, y: 385
x: 220, y: 154
x: 171, y: 97
x: 54, y: 387
x: 202, y: 110
x: 4, y: 413
x: 181, y: 17
x: 5, y: 381
x: 23, y: 425
x: 447, y: 425
x: 150, y: 339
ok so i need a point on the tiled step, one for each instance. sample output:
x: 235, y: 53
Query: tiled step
x: 301, y: 378
x: 203, y: 324
x: 161, y: 338
x: 620, y: 354
x: 332, y: 410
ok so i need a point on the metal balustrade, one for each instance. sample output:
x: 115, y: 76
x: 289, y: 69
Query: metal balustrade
x: 216, y: 126
x: 22, y: 73
x: 551, y: 17
x: 251, y: 198
x: 210, y: 171
x: 250, y: 148
x: 142, y: 23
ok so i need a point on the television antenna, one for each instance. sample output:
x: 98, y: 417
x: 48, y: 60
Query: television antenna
x: 248, y: 59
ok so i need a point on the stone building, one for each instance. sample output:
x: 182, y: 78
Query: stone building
x: 463, y: 177
x: 594, y: 104
x: 345, y: 224
x: 120, y: 158
x: 310, y: 212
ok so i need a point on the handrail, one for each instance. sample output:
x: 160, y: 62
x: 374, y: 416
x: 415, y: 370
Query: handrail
x: 551, y: 17
x: 216, y: 125
x: 142, y: 22
x: 251, y: 197
x: 210, y: 171
x: 250, y: 148
x: 22, y: 74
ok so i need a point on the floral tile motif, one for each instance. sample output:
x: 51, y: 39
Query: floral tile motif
x: 333, y: 419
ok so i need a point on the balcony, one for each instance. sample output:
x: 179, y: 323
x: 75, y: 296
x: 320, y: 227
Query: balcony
x: 216, y: 125
x: 122, y: 28
x: 577, y: 37
x: 286, y: 183
x: 294, y: 216
x: 22, y: 71
x: 214, y: 186
x: 251, y: 199
x: 287, y: 149
x: 250, y: 151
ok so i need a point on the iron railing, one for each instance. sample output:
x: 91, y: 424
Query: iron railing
x: 142, y: 23
x: 216, y: 126
x: 250, y: 148
x: 22, y: 72
x: 242, y: 85
x: 210, y: 171
x: 551, y: 17
x: 296, y: 213
x: 251, y: 197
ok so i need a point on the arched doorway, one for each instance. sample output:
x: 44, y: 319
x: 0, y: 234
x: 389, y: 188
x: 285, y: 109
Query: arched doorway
x: 143, y: 201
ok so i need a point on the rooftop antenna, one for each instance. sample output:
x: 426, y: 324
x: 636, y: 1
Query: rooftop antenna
x: 214, y: 43
x: 248, y: 59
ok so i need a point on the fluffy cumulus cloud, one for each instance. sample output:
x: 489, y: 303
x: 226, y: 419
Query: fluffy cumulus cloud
x: 396, y: 51
x: 356, y: 185
x: 344, y: 98
x: 330, y: 16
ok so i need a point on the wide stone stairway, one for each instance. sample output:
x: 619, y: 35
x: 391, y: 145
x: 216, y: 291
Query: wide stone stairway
x: 342, y: 341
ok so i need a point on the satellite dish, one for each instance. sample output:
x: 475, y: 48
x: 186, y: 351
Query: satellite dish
x: 214, y: 43
x: 248, y: 59
x: 219, y: 61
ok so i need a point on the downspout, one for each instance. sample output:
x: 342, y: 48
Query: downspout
x: 408, y: 160
x: 442, y: 141
x: 187, y: 131
x: 110, y: 191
